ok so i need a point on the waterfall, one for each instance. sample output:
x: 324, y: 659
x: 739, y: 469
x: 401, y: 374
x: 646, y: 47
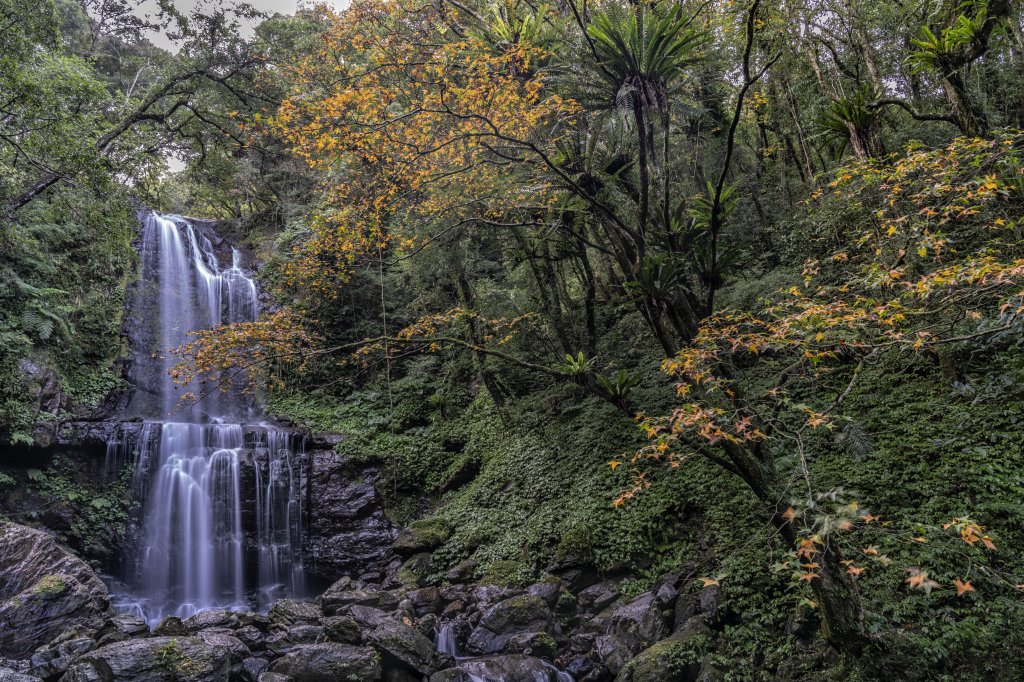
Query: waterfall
x: 220, y: 498
x: 445, y: 642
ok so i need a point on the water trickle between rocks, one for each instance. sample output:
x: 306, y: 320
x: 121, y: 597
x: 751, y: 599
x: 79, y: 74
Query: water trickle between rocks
x: 219, y: 498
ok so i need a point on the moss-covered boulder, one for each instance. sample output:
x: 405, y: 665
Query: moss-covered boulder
x: 403, y: 647
x: 677, y: 659
x: 424, y: 535
x: 157, y: 659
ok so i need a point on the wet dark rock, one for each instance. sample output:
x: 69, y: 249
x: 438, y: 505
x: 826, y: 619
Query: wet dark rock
x: 170, y: 626
x: 51, y: 661
x: 596, y: 597
x: 548, y: 590
x: 333, y: 601
x: 613, y: 652
x: 157, y: 659
x: 224, y: 638
x: 212, y: 618
x: 453, y: 609
x: 402, y: 646
x: 484, y: 595
x: 539, y: 644
x: 711, y: 605
x: 524, y: 614
x: 251, y: 636
x: 325, y: 440
x: 121, y: 627
x: 328, y: 662
x: 268, y: 676
x: 585, y: 667
x: 510, y: 668
x: 425, y: 600
x: 408, y: 573
x: 518, y: 614
x: 44, y: 590
x: 293, y: 611
x: 348, y: 530
x: 9, y: 675
x: 369, y: 616
x: 341, y: 629
x: 639, y: 622
x: 305, y: 634
x: 252, y: 668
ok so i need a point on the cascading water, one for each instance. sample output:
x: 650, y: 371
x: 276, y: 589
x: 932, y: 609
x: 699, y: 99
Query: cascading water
x: 220, y: 521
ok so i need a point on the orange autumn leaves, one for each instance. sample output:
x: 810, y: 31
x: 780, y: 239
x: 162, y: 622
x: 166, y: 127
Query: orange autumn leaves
x: 411, y: 130
x: 803, y: 561
x: 250, y: 354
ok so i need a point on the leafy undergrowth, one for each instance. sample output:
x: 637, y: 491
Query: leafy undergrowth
x: 538, y: 488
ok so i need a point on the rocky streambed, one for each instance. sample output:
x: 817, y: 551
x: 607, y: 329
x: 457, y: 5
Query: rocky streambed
x: 57, y: 623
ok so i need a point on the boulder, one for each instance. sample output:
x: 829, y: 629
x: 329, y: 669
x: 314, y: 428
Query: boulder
x: 170, y: 626
x: 52, y: 660
x: 596, y: 597
x: 678, y: 659
x: 328, y: 662
x: 8, y: 675
x: 157, y: 659
x: 210, y: 618
x: 224, y: 638
x: 332, y: 602
x: 425, y: 600
x: 515, y: 616
x: 293, y: 611
x: 341, y: 629
x: 252, y: 668
x: 511, y: 668
x: 424, y: 535
x: 641, y: 621
x: 44, y: 589
x: 402, y: 646
x: 369, y: 617
x: 121, y: 627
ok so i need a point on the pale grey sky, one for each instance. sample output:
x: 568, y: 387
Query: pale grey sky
x: 269, y: 6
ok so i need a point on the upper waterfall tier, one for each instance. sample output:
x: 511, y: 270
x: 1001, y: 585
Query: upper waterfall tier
x: 183, y: 288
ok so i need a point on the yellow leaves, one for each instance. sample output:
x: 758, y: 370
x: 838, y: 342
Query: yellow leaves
x: 971, y: 532
x: 614, y: 464
x: 854, y: 570
x: 709, y: 582
x: 789, y: 514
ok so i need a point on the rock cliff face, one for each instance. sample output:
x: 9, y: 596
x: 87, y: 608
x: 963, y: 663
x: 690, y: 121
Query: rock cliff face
x: 348, y: 532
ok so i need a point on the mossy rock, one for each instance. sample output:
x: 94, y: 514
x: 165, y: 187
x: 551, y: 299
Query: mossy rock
x: 671, y: 660
x: 507, y: 573
x: 423, y: 535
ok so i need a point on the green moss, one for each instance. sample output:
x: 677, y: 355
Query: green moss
x: 49, y: 586
x: 668, y: 660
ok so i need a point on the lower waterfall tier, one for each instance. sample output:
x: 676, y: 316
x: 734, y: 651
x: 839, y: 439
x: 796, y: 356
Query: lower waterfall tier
x: 220, y: 520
